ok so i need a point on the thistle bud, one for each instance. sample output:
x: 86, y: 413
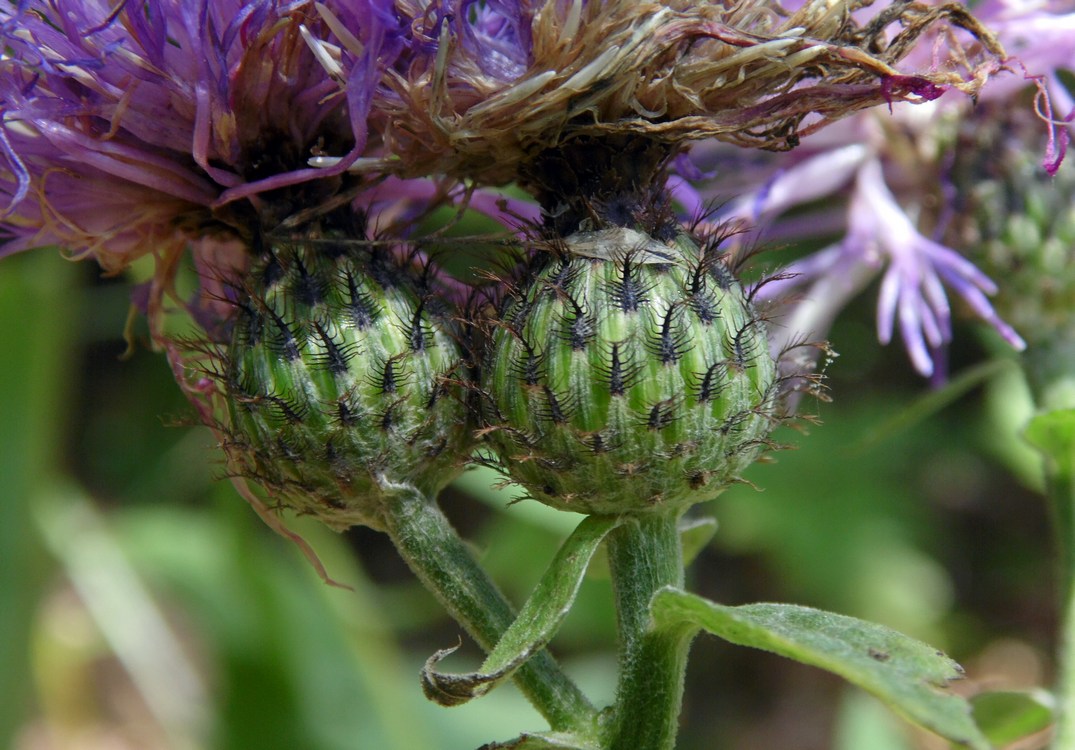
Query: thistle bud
x: 1019, y: 221
x: 630, y: 374
x: 337, y: 382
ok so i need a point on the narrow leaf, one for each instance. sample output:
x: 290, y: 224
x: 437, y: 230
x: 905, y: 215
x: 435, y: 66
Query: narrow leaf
x: 694, y: 535
x: 932, y: 402
x: 535, y: 626
x: 904, y: 673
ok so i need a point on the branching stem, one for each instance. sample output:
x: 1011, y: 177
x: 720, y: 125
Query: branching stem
x: 436, y: 554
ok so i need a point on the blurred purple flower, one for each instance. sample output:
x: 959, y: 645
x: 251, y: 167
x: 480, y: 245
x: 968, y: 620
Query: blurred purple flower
x: 1040, y: 35
x: 911, y: 286
x: 878, y: 179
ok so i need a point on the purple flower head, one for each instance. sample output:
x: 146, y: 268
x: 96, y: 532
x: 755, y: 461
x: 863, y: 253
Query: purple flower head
x: 139, y: 127
x: 880, y: 236
x: 912, y: 287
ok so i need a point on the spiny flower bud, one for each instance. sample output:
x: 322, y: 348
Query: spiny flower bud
x: 337, y: 381
x: 630, y: 374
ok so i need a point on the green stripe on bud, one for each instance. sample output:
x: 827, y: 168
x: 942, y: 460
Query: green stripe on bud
x: 337, y: 380
x: 627, y: 377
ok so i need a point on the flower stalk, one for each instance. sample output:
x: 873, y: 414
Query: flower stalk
x: 434, y: 552
x: 1061, y: 491
x: 645, y: 556
x: 1051, y: 432
x: 1048, y: 368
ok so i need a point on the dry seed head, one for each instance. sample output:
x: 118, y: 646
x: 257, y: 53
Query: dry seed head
x: 748, y: 72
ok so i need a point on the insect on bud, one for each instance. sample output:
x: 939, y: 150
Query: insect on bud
x: 630, y: 374
x: 337, y: 381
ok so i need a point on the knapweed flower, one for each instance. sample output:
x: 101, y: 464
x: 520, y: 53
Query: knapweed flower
x: 225, y: 127
x: 146, y: 128
x: 890, y: 169
x: 615, y: 356
x: 181, y: 130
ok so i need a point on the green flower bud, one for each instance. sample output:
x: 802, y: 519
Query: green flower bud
x: 629, y: 375
x: 337, y: 381
x: 1018, y: 221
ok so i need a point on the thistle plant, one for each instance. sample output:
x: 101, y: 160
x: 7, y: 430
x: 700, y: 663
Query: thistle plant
x: 614, y: 363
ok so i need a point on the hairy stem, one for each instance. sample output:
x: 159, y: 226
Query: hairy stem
x: 436, y: 554
x: 645, y: 556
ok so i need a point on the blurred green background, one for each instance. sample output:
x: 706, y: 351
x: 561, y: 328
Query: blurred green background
x: 144, y: 605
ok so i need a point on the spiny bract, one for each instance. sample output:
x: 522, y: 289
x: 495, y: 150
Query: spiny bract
x: 628, y: 376
x: 337, y: 381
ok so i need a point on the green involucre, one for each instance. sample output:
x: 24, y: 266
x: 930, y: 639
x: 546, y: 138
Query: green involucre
x: 620, y: 385
x: 337, y: 381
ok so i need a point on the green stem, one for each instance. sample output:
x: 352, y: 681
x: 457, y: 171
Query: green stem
x: 1061, y: 488
x: 644, y: 556
x: 1050, y: 371
x: 436, y: 554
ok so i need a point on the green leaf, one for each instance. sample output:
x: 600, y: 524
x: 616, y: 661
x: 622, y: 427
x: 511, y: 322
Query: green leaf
x: 1053, y: 433
x: 535, y: 626
x: 694, y: 535
x: 1009, y: 716
x: 904, y: 673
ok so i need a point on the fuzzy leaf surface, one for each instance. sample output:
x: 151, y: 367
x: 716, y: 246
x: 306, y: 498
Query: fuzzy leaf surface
x: 906, y: 674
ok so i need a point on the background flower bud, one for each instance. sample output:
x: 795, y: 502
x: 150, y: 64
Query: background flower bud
x: 630, y: 374
x: 1019, y: 220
